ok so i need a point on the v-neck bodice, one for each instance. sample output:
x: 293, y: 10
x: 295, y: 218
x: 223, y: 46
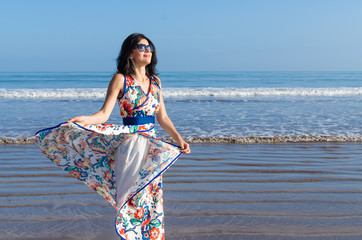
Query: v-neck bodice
x: 135, y: 102
x: 149, y: 86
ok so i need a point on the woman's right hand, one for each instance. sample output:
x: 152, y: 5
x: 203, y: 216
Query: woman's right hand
x: 115, y: 87
x: 80, y: 119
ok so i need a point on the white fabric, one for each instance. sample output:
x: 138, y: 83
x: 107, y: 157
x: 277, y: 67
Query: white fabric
x: 130, y: 157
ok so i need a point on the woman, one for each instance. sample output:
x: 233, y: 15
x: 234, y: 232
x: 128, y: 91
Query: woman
x: 123, y: 163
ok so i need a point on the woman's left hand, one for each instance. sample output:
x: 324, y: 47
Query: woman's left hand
x: 185, y: 147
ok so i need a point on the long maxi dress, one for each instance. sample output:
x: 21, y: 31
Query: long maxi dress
x: 123, y: 163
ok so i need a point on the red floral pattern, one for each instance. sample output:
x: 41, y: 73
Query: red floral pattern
x: 136, y: 103
x: 88, y: 154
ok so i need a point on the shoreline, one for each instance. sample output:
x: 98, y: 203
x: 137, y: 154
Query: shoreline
x: 234, y: 140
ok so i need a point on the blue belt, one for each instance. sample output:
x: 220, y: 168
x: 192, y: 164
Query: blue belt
x: 138, y: 120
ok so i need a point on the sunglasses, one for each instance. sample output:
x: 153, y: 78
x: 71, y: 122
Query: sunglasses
x: 143, y: 47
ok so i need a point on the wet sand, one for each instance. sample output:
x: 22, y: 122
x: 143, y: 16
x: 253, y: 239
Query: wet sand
x: 220, y: 191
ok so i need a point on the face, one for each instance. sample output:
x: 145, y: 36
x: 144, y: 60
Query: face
x: 141, y: 58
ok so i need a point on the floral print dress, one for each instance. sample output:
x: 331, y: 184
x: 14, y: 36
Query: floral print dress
x: 101, y: 155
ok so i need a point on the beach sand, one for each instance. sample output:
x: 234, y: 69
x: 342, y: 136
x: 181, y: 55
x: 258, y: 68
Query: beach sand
x: 220, y: 191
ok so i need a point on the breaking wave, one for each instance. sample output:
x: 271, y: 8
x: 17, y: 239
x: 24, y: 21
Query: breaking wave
x: 84, y: 93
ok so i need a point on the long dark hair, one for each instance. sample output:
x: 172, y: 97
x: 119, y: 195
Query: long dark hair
x: 124, y: 64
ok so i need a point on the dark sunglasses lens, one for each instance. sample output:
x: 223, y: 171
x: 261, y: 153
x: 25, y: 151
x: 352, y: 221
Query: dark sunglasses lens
x: 141, y: 47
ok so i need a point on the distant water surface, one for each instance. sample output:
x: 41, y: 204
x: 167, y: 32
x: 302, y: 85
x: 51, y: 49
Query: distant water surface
x: 203, y: 105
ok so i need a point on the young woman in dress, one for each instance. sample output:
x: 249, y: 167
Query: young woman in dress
x: 123, y: 163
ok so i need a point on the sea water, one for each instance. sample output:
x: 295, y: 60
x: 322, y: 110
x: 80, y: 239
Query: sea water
x: 202, y: 105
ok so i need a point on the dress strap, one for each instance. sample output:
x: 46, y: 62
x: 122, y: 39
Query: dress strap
x: 124, y: 88
x: 155, y: 82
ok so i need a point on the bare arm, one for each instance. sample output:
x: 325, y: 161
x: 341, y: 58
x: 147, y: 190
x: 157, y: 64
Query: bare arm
x: 115, y: 87
x: 166, y: 123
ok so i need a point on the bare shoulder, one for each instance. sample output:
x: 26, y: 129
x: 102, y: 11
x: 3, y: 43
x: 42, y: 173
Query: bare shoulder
x: 118, y: 77
x: 117, y: 80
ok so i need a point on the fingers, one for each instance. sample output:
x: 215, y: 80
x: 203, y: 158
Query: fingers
x: 72, y: 120
x: 186, y: 151
x: 78, y: 119
x: 185, y: 148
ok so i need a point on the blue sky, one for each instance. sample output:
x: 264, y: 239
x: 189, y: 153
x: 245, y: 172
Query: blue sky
x: 190, y: 35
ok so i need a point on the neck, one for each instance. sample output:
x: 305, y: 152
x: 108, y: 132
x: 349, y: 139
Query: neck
x: 139, y: 72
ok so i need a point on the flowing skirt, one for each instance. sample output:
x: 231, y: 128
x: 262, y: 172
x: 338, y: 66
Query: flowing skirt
x: 122, y: 163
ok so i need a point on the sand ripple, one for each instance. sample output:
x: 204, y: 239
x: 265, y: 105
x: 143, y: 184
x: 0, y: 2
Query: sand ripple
x: 220, y: 191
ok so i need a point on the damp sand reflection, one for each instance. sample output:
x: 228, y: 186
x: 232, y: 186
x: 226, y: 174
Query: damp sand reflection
x: 220, y: 191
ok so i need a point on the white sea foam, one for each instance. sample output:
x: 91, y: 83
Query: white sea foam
x: 260, y: 92
x: 58, y: 93
x: 182, y: 92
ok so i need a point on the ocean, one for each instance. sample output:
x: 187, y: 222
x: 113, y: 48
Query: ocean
x: 308, y: 189
x: 204, y: 106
